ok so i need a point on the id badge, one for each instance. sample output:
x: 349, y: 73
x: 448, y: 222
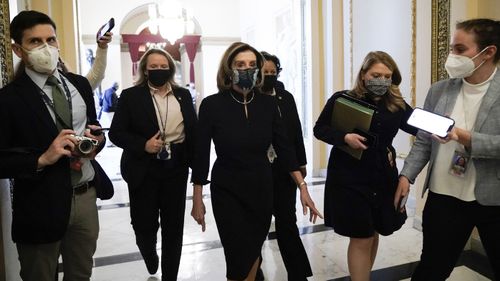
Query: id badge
x: 459, y: 163
x: 165, y: 153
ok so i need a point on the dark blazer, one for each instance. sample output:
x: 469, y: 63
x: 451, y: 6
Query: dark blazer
x: 290, y: 116
x: 42, y: 200
x: 135, y: 122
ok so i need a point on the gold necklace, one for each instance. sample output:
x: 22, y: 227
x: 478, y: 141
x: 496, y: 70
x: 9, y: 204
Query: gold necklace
x: 243, y: 102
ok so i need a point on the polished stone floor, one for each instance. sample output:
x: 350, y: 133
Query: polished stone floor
x: 117, y: 257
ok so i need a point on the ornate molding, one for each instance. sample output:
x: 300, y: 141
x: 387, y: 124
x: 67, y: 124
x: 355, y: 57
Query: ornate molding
x: 413, y: 64
x: 440, y: 38
x: 5, y: 44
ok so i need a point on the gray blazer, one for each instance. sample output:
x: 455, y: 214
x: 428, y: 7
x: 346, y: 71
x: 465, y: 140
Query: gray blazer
x: 485, y: 149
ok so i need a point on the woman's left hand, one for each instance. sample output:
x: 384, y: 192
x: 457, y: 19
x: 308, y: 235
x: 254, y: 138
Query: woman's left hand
x: 307, y: 202
x: 100, y: 138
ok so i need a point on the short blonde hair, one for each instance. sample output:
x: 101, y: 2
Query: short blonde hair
x: 225, y: 72
x: 142, y: 78
x: 393, y: 100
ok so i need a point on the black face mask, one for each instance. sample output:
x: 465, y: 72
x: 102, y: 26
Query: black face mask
x: 245, y: 78
x: 158, y: 77
x: 269, y: 82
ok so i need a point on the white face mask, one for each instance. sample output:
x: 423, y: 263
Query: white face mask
x: 43, y: 59
x: 459, y: 66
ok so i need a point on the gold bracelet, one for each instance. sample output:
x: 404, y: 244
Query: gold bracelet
x: 302, y: 183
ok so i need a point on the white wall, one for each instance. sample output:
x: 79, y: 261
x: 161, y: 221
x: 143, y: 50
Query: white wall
x: 218, y: 17
x: 276, y: 27
x: 384, y: 25
x: 458, y: 12
x: 277, y: 30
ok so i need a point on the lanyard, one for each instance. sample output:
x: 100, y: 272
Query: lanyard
x: 163, y: 126
x: 50, y: 103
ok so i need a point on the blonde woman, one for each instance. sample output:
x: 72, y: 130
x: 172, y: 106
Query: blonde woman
x: 359, y: 193
x: 154, y: 123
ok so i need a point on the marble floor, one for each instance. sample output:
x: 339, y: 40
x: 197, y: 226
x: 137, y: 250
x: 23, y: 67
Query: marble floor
x: 117, y: 257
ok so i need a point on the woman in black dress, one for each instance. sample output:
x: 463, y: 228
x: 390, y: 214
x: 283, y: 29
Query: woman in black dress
x: 242, y: 124
x: 285, y: 192
x: 359, y: 193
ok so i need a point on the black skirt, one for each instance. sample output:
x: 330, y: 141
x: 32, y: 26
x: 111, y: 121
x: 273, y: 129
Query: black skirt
x: 360, y: 211
x: 243, y: 217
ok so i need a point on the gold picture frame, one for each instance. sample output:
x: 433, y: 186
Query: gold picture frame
x: 6, y: 72
x: 440, y: 38
x: 6, y: 64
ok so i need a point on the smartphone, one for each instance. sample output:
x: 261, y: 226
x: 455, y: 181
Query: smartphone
x: 431, y: 122
x: 107, y: 27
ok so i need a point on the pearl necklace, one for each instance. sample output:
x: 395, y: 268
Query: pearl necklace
x: 243, y: 102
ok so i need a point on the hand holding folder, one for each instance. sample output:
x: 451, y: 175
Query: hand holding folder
x: 353, y: 116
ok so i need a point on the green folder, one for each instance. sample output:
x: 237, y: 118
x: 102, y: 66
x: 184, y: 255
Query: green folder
x: 349, y: 114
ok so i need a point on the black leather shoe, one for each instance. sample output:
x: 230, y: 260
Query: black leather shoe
x: 151, y: 261
x: 147, y: 247
x: 259, y: 276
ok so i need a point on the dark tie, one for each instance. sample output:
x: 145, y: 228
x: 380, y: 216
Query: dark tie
x: 61, y: 106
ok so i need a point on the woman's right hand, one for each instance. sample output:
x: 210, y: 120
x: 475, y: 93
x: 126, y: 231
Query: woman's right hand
x: 402, y: 190
x: 198, y: 212
x: 154, y: 144
x: 355, y: 141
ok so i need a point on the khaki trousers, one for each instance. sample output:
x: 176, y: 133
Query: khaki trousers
x: 77, y: 246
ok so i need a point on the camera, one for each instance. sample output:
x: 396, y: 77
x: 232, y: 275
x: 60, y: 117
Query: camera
x: 85, y: 145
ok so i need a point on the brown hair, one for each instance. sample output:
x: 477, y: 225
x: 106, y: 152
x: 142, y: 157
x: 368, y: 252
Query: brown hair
x: 27, y: 20
x: 142, y: 78
x: 393, y: 99
x: 486, y: 33
x: 225, y: 72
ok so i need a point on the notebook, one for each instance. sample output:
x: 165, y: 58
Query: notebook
x: 350, y: 114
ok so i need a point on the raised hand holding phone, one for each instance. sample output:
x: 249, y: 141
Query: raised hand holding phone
x: 107, y: 27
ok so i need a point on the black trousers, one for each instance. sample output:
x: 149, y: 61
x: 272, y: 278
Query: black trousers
x: 291, y: 247
x: 161, y: 195
x: 447, y: 225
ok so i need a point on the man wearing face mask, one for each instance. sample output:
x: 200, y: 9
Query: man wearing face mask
x: 284, y: 197
x: 154, y: 123
x: 55, y: 181
x: 359, y: 192
x: 459, y: 200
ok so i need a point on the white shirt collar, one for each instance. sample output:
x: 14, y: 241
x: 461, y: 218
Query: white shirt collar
x: 41, y: 78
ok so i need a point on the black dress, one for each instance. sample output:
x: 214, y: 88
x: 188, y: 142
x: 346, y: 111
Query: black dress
x: 241, y: 180
x: 359, y: 193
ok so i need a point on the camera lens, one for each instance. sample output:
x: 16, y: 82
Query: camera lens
x: 85, y: 146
